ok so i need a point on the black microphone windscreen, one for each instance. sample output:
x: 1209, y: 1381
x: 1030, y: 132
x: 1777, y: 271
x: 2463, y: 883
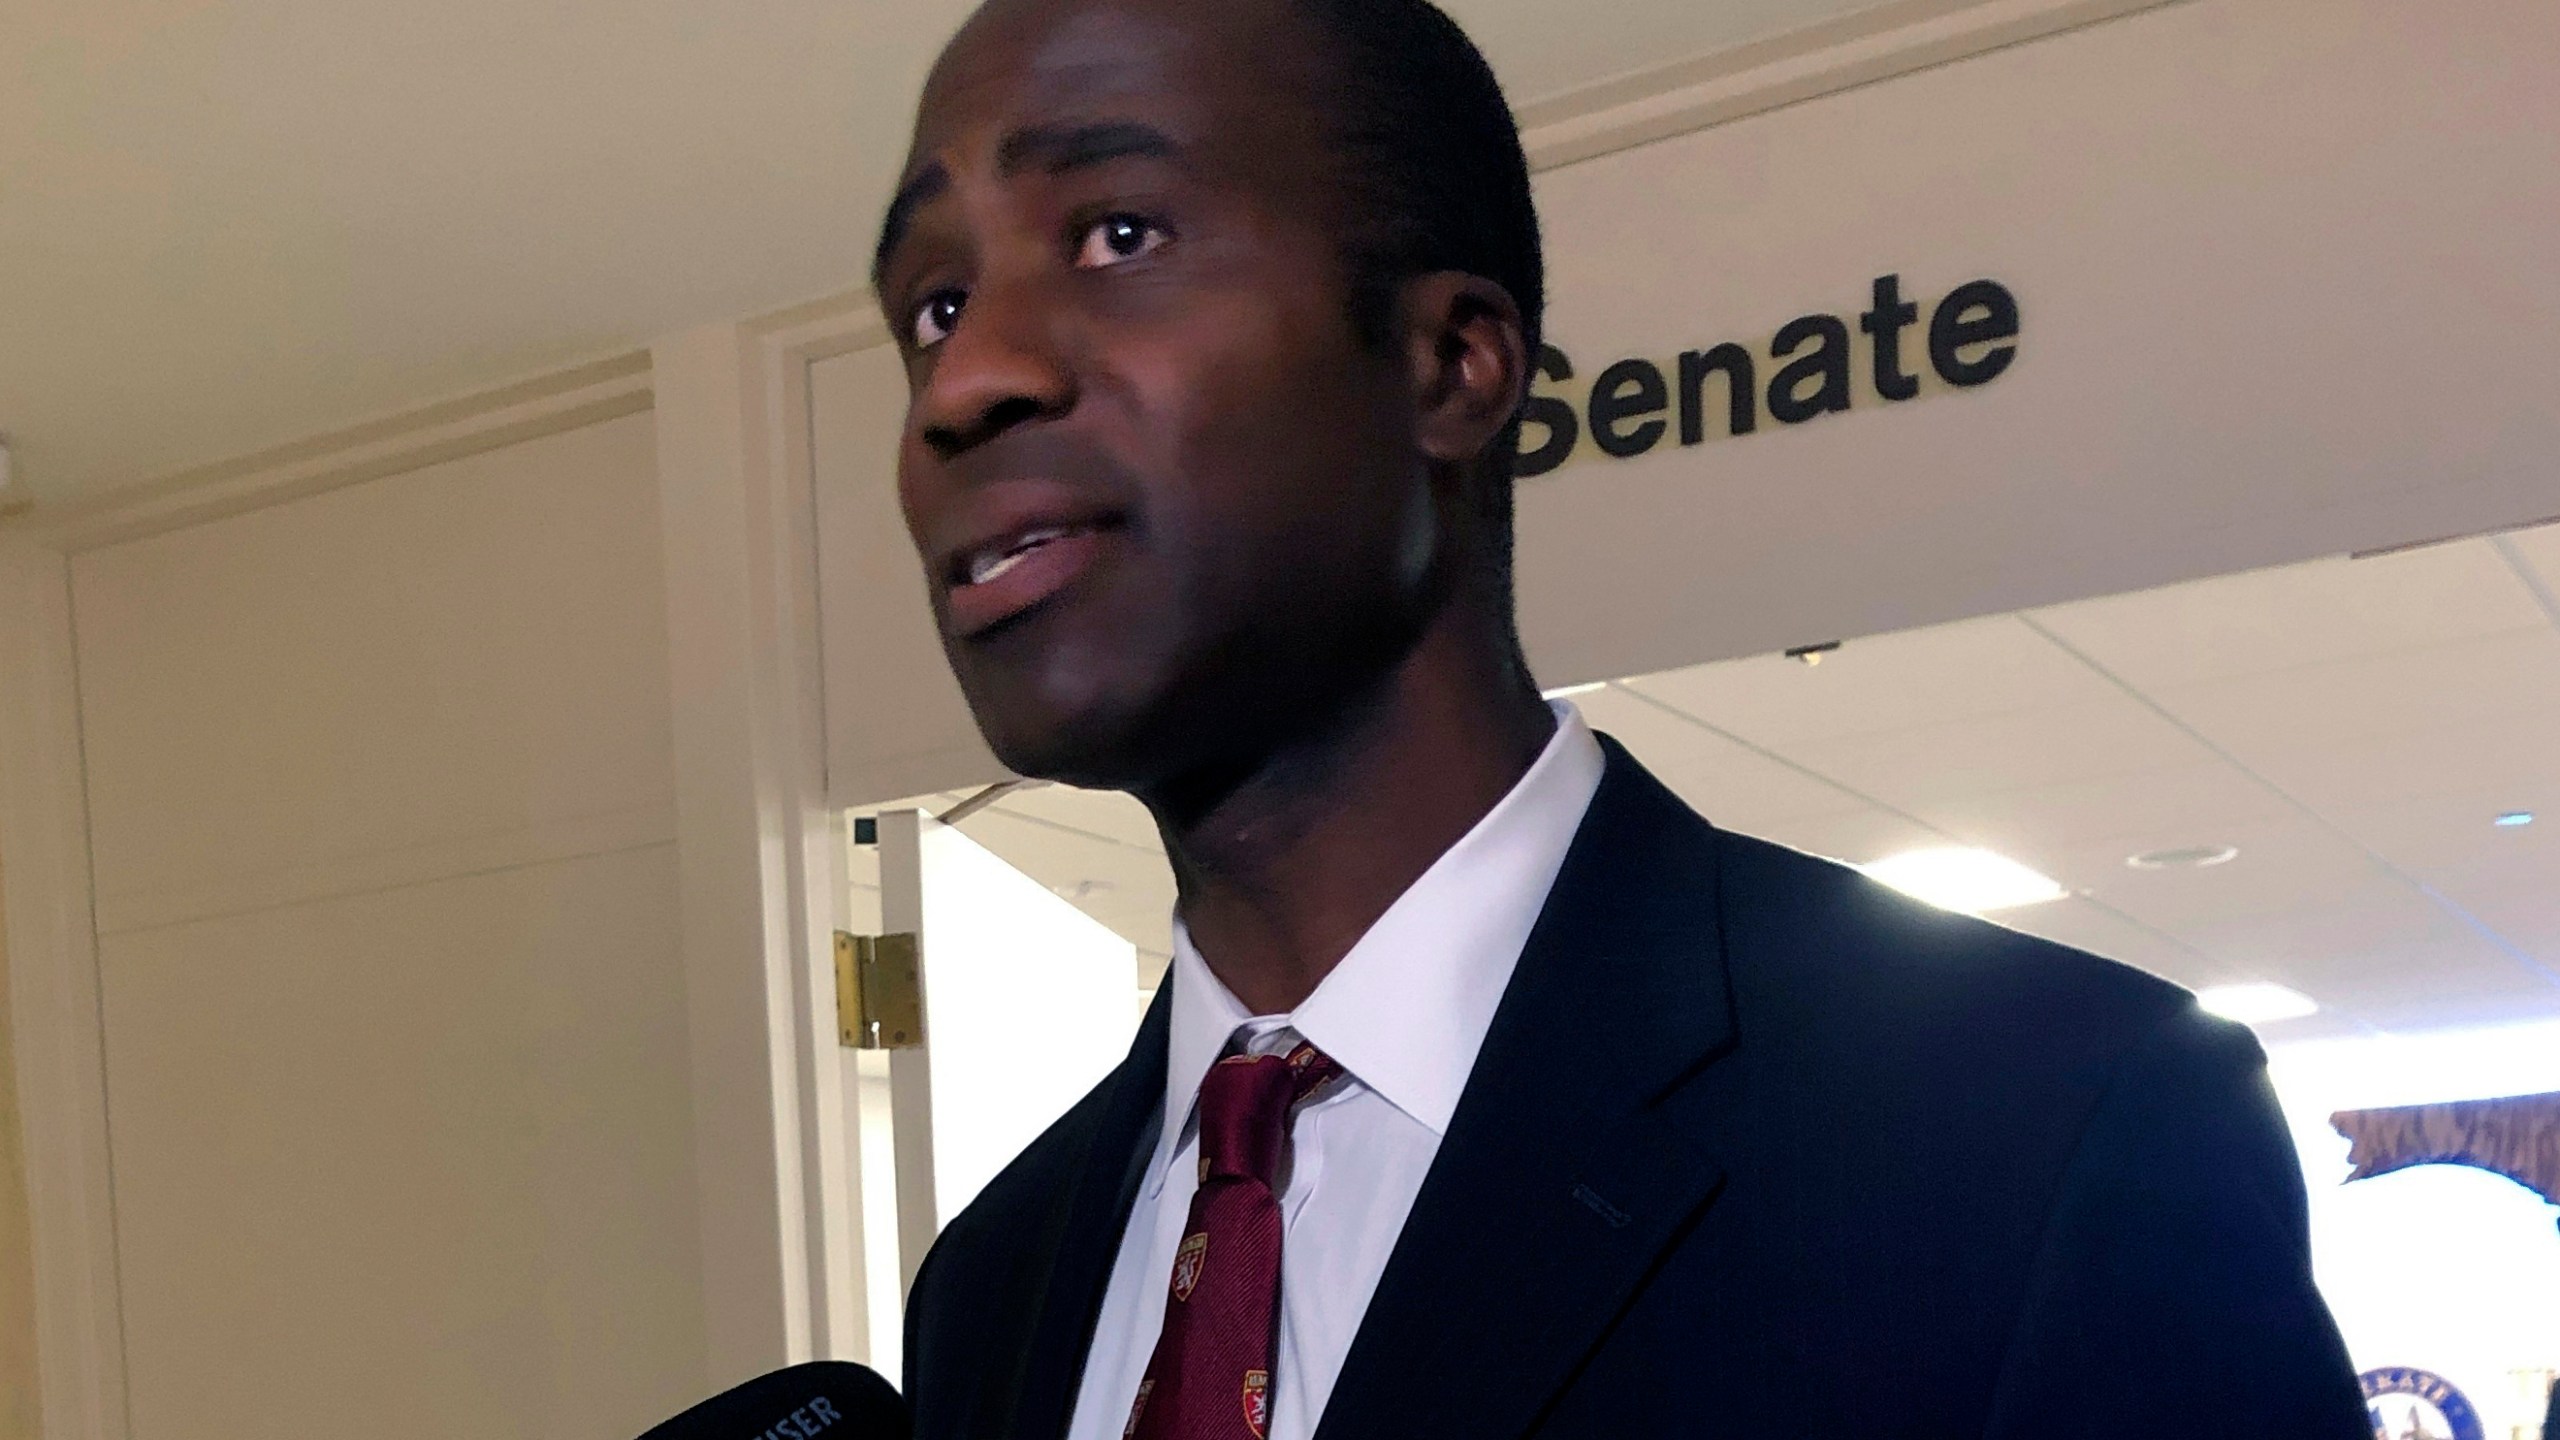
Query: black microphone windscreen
x: 822, y: 1400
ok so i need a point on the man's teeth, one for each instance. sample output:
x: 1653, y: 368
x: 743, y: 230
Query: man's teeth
x: 987, y: 566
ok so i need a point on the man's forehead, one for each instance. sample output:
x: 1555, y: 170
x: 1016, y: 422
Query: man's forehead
x: 1217, y: 86
x: 1031, y: 62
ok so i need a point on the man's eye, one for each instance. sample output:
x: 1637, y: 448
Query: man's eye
x: 1116, y: 239
x: 937, y: 316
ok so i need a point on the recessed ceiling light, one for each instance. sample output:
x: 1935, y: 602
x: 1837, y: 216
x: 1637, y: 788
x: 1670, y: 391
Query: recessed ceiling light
x: 2255, y: 1003
x: 1567, y: 692
x: 2514, y: 820
x: 2185, y: 857
x: 1966, y: 879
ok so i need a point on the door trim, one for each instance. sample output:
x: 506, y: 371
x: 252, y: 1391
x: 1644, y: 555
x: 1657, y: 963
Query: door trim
x: 56, y: 1028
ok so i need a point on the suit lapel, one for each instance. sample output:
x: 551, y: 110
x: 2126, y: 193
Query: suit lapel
x: 1085, y: 1237
x: 1560, y: 1183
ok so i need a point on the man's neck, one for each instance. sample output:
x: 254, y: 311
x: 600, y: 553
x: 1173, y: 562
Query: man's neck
x: 1284, y: 872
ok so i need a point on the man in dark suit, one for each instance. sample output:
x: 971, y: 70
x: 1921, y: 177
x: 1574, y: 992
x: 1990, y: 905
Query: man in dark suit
x: 1493, y: 1092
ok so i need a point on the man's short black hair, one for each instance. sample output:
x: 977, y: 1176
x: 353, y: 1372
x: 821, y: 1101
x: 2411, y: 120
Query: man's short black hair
x: 1437, y: 177
x: 1435, y: 180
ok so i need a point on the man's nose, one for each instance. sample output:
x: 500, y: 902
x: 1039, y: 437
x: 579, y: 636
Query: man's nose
x: 1000, y: 367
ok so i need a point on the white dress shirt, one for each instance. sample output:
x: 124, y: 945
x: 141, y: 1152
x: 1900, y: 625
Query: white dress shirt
x: 1404, y: 1015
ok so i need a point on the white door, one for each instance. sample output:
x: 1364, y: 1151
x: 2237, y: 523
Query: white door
x: 1027, y: 1003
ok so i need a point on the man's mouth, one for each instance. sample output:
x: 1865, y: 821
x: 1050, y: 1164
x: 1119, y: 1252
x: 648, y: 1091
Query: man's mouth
x: 1004, y: 578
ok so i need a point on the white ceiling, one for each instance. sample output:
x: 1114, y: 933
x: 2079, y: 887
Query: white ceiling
x: 229, y: 224
x: 2353, y: 727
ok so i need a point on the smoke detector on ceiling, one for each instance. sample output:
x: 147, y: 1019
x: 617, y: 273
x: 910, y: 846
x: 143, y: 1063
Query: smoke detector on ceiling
x: 2185, y: 857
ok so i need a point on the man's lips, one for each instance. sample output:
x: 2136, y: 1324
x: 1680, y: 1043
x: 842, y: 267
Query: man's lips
x: 996, y: 582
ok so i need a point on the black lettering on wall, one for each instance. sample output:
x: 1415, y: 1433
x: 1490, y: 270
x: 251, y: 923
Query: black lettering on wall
x: 1978, y: 313
x: 1885, y: 322
x: 1563, y: 428
x: 1628, y: 390
x: 1742, y: 393
x: 1807, y: 370
x: 1828, y: 365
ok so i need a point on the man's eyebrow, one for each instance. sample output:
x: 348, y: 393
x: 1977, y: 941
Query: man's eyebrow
x: 921, y: 189
x: 1051, y: 149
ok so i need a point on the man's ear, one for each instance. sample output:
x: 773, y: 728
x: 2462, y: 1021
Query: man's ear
x: 1470, y: 361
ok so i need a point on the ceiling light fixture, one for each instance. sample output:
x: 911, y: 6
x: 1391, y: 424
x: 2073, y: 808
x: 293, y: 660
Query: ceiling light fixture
x: 2185, y: 857
x: 2514, y: 820
x: 2256, y: 1002
x: 1964, y: 878
x: 1567, y: 692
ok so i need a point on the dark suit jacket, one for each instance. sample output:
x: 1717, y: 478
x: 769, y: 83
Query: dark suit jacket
x: 1754, y: 1147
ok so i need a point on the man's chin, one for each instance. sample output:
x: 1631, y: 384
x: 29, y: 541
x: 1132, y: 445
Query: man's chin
x: 1096, y: 746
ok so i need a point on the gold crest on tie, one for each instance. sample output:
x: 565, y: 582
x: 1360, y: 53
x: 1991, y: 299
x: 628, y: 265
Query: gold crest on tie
x: 1137, y: 1408
x: 1257, y: 1401
x: 1187, y: 1263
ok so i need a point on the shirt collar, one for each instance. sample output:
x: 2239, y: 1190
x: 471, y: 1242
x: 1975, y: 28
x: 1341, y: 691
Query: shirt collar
x: 1407, y: 1009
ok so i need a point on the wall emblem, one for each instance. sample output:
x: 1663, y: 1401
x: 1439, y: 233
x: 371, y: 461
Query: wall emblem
x: 2408, y: 1404
x: 1186, y: 1265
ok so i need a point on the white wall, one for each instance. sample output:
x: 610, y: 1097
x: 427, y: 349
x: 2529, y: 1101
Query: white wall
x: 2286, y: 291
x: 395, y: 1021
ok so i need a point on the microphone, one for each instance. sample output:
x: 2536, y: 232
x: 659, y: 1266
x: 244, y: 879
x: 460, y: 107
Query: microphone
x: 822, y: 1400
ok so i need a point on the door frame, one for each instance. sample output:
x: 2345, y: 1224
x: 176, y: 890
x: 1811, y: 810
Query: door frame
x: 52, y: 973
x: 761, y: 861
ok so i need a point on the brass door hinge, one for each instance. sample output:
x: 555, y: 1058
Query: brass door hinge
x: 879, y: 992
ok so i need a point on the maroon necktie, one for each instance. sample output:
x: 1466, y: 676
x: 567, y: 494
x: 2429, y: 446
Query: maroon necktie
x: 1210, y: 1378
